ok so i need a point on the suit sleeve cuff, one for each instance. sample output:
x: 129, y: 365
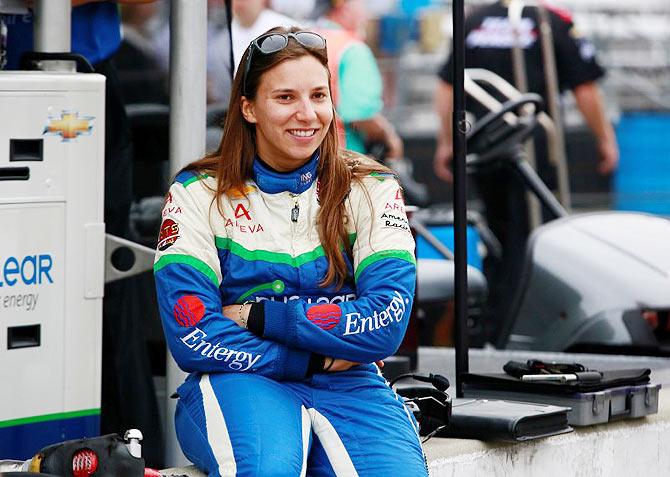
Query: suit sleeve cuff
x: 280, y: 322
x: 256, y: 319
x: 296, y: 364
x: 316, y: 363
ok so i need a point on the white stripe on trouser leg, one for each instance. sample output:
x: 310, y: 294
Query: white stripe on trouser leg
x: 411, y: 421
x: 217, y: 431
x: 415, y: 426
x: 306, y: 430
x: 332, y: 444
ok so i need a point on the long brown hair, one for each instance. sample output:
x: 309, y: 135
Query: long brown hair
x: 232, y: 162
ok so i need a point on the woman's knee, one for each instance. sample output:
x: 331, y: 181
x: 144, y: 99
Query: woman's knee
x: 250, y: 421
x: 192, y: 439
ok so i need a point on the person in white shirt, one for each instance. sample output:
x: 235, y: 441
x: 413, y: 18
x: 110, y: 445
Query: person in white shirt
x: 252, y: 18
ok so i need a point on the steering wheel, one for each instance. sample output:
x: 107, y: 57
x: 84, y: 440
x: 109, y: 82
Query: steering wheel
x: 492, y: 138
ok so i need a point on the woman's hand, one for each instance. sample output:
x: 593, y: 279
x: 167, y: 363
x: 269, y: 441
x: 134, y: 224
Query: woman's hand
x: 332, y: 365
x: 238, y: 313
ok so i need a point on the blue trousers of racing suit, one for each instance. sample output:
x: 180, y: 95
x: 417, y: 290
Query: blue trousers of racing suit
x: 343, y: 424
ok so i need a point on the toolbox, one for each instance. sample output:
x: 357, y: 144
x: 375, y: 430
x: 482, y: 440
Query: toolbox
x: 587, y: 407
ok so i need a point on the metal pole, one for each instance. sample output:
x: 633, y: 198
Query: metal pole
x: 188, y: 70
x: 460, y: 213
x: 51, y: 33
x: 52, y: 26
x: 531, y: 179
x: 514, y: 14
x: 188, y: 53
x: 557, y: 145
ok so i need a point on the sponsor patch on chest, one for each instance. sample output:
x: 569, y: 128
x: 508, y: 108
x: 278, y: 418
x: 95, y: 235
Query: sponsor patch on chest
x: 243, y: 221
x: 392, y: 220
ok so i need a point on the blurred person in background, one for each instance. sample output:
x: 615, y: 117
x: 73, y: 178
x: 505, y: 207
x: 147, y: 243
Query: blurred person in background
x: 296, y: 9
x: 143, y: 78
x: 218, y: 47
x: 489, y: 38
x: 219, y: 75
x: 358, y: 88
x: 355, y: 77
x: 128, y: 395
x: 252, y: 18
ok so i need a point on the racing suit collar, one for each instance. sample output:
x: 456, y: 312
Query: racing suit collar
x: 296, y: 182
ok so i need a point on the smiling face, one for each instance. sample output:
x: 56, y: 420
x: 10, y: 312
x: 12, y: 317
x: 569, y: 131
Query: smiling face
x: 292, y: 112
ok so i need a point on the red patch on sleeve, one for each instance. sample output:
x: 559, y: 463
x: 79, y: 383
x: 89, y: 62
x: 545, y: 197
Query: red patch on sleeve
x: 168, y: 235
x: 188, y: 311
x: 325, y: 317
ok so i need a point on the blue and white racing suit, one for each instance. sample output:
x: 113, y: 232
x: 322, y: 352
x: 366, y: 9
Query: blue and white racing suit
x: 251, y: 405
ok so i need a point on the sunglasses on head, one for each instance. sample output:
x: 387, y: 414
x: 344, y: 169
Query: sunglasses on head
x: 270, y: 43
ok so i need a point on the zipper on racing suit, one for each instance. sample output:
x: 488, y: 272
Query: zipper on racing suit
x: 295, y: 211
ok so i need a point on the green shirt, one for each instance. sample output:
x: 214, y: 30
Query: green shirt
x: 360, y: 91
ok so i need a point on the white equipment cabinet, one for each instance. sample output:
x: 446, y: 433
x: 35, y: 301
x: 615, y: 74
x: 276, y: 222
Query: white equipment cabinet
x: 52, y: 254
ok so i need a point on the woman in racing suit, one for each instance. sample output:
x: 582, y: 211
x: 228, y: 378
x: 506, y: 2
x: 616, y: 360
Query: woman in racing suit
x: 285, y: 272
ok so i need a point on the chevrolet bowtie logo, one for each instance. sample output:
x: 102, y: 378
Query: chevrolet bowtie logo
x: 69, y: 125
